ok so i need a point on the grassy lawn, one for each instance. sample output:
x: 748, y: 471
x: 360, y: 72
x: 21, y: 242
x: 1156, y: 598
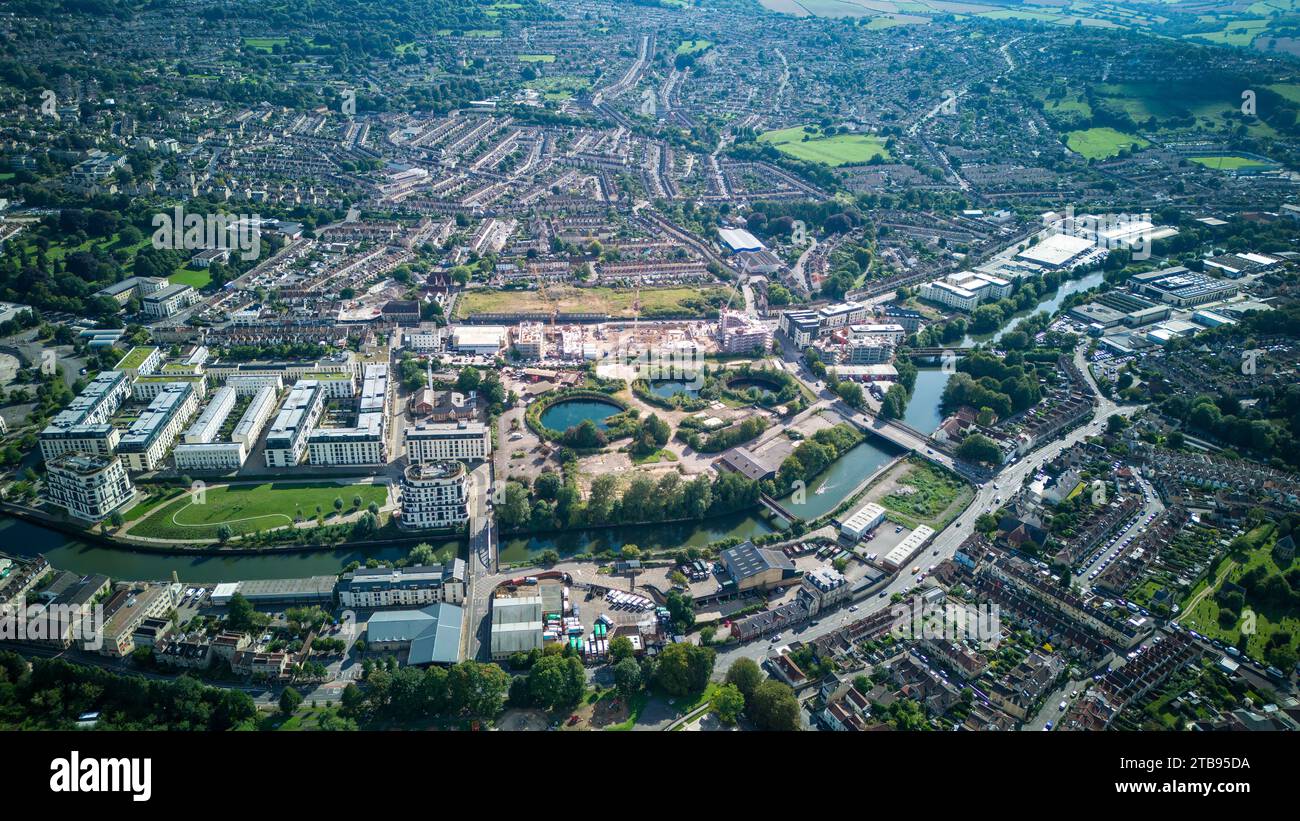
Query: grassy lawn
x: 806, y: 143
x: 147, y: 504
x: 265, y: 43
x: 663, y: 455
x: 195, y: 278
x: 1102, y: 143
x: 693, y: 46
x: 1228, y: 163
x: 250, y: 508
x: 580, y: 300
x: 537, y: 58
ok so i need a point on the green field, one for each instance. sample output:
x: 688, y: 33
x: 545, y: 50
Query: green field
x: 1102, y: 143
x: 1235, y: 33
x: 1229, y: 163
x: 537, y: 58
x: 561, y: 87
x: 806, y: 143
x: 197, y: 278
x: 250, y: 508
x: 615, y: 302
x: 925, y: 495
x: 693, y: 46
x: 265, y: 43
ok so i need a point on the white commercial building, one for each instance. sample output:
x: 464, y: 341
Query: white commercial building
x: 438, y: 442
x: 906, y: 549
x: 863, y: 521
x: 516, y: 624
x: 403, y: 586
x: 88, y: 486
x: 1062, y: 251
x: 479, y: 340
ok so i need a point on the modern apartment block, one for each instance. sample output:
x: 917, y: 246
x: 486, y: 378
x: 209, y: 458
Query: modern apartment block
x: 83, y: 425
x: 451, y: 440
x: 435, y: 495
x: 740, y: 333
x: 202, y: 450
x: 403, y: 586
x: 152, y: 434
x: 140, y: 361
x: 965, y: 290
x: 530, y: 340
x: 286, y: 442
x: 88, y: 486
x: 169, y: 301
x: 366, y: 442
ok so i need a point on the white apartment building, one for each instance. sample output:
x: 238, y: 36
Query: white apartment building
x: 208, y: 425
x: 403, y: 586
x: 214, y: 456
x: 169, y: 301
x: 151, y: 435
x: 148, y: 387
x: 530, y: 340
x: 366, y: 442
x: 439, y: 442
x: 966, y: 289
x: 435, y: 495
x: 83, y: 425
x: 286, y: 441
x: 88, y: 486
x: 251, y: 384
x: 945, y: 293
x: 259, y: 410
x: 740, y: 333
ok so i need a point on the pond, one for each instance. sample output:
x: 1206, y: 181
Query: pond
x: 744, y: 384
x: 573, y: 412
x: 668, y: 388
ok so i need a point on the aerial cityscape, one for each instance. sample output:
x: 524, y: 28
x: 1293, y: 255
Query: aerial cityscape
x: 653, y: 365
